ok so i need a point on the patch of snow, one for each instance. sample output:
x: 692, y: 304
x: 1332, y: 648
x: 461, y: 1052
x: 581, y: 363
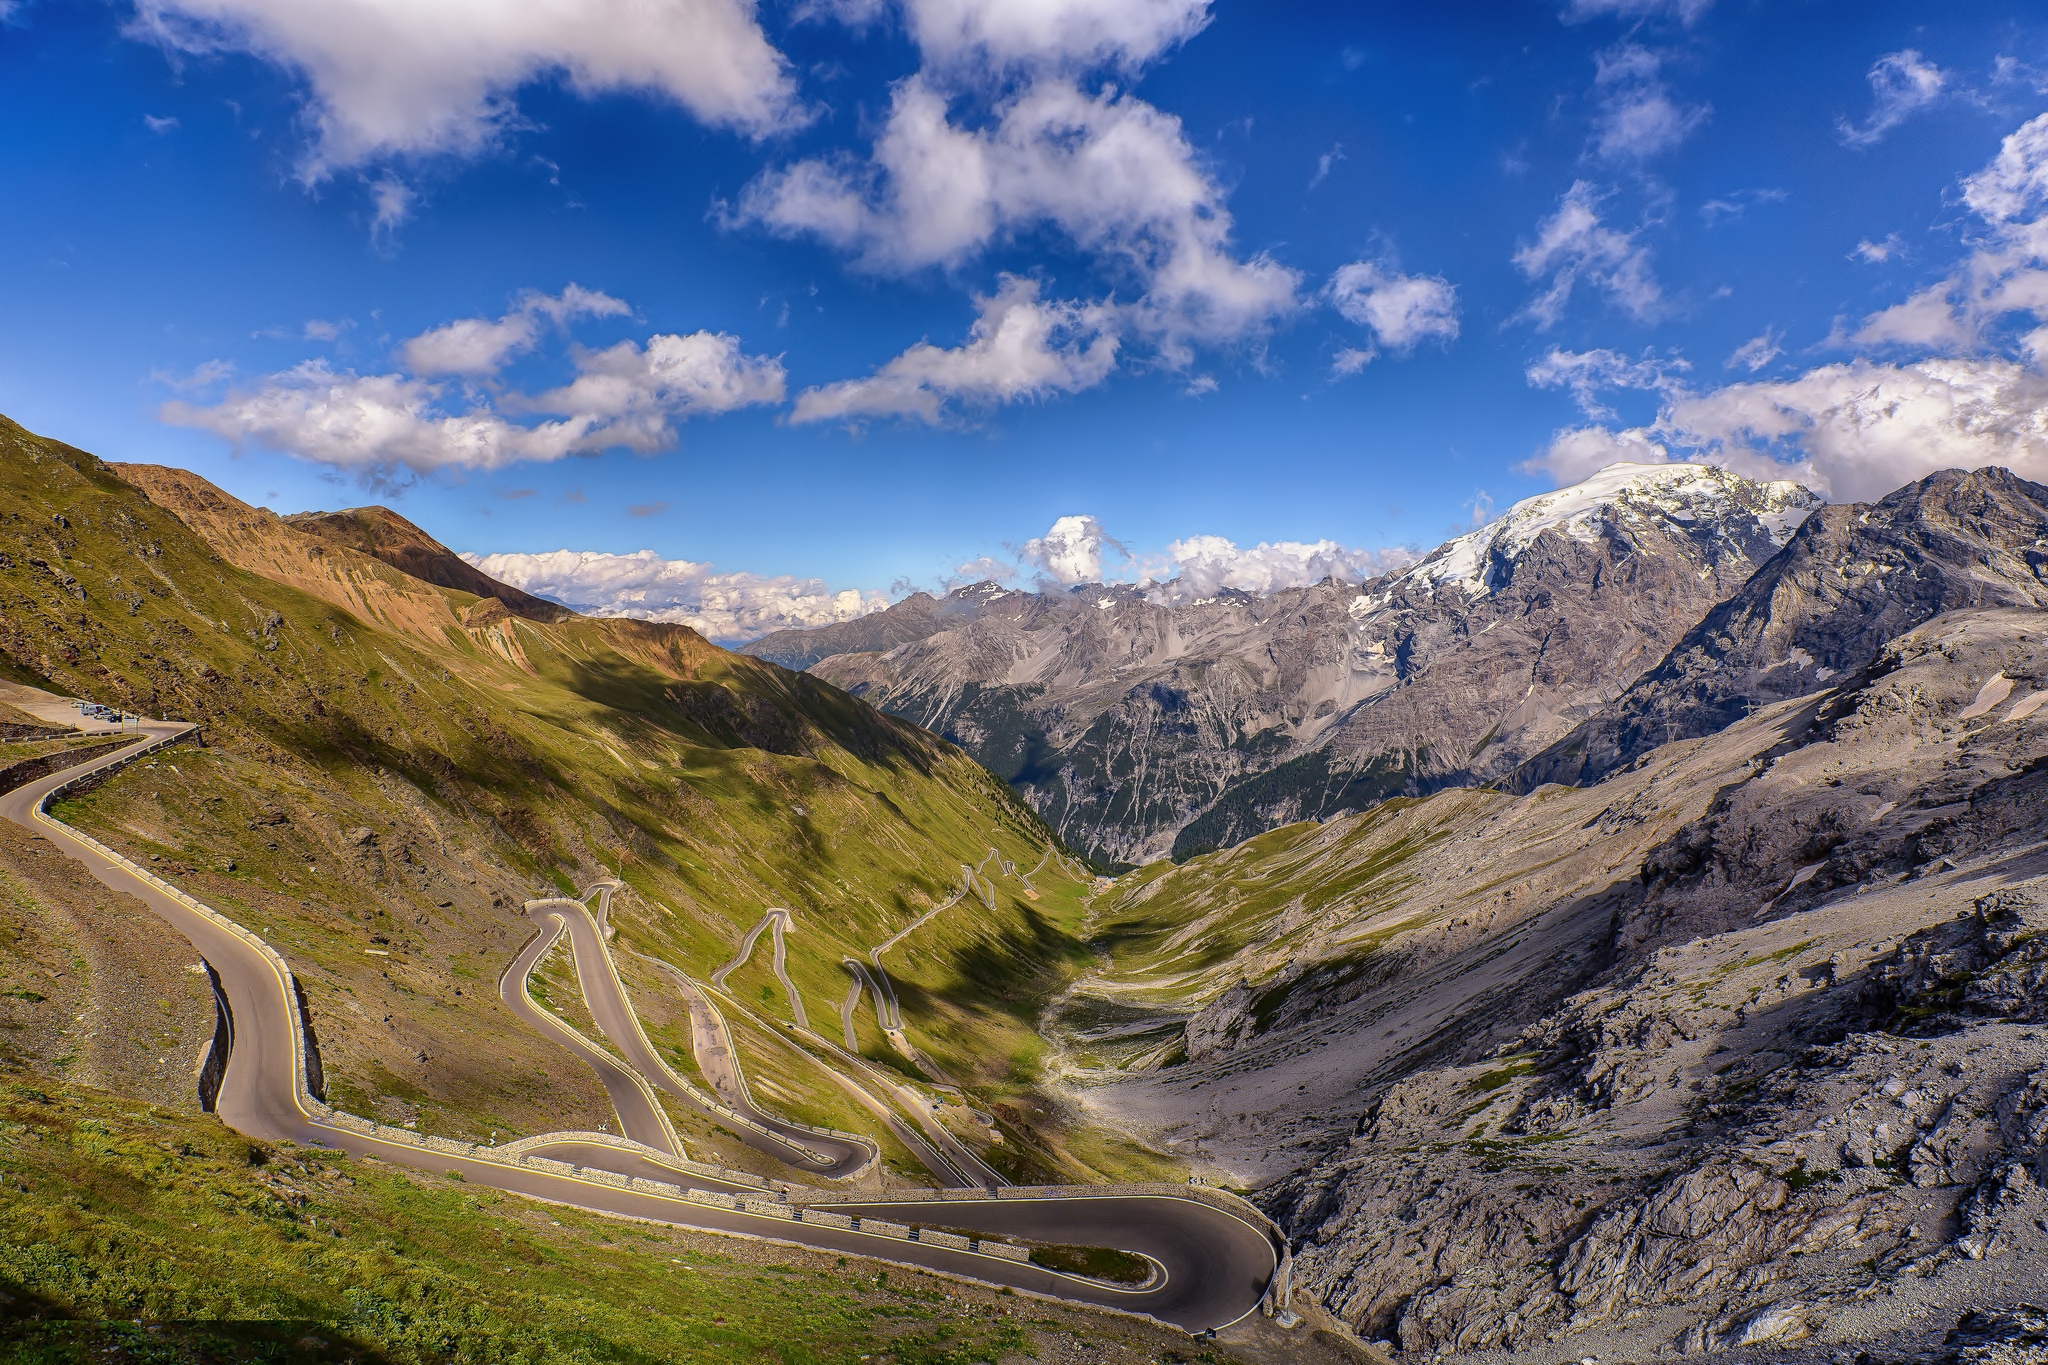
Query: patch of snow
x: 2027, y: 706
x: 1684, y: 493
x: 1996, y: 689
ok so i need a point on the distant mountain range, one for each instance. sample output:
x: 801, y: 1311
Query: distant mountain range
x: 1147, y: 722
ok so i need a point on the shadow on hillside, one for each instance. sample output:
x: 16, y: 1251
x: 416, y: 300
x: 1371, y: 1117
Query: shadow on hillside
x: 37, y: 1330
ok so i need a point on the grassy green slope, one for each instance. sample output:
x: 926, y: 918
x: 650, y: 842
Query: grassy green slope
x: 380, y: 801
x: 134, y: 1234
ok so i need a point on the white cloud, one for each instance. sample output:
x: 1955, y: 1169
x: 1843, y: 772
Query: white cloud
x: 373, y: 424
x: 723, y: 606
x: 1586, y: 373
x: 393, y: 201
x: 1072, y: 552
x: 1111, y: 172
x: 1069, y: 552
x: 1637, y: 116
x: 1204, y: 564
x: 1018, y: 348
x: 1573, y: 244
x: 477, y: 347
x: 1685, y: 11
x: 1877, y: 253
x: 1757, y: 352
x: 423, y: 77
x: 150, y: 121
x: 1578, y: 452
x: 1059, y: 34
x: 1325, y: 164
x: 2005, y: 275
x: 2015, y: 185
x: 1400, y: 311
x: 984, y: 569
x: 1901, y: 85
x: 633, y: 393
x: 381, y: 424
x: 1351, y: 359
x: 1857, y: 430
x: 1852, y: 431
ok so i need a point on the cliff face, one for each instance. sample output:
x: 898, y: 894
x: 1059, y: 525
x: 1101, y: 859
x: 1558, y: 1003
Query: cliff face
x: 1854, y: 577
x: 1741, y: 1046
x: 1143, y: 722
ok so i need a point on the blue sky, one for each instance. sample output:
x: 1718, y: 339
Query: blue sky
x: 833, y: 297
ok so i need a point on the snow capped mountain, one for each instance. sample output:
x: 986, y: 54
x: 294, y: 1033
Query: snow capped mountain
x: 1633, y: 494
x: 1142, y: 722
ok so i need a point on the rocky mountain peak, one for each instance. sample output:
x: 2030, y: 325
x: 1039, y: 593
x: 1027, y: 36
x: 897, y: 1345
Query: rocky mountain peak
x: 1141, y: 720
x: 1689, y: 499
x: 1854, y: 576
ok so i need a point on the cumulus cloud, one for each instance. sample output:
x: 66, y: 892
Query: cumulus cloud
x: 728, y: 607
x: 1019, y: 347
x: 1637, y: 117
x: 1401, y: 311
x: 373, y: 424
x: 1073, y: 552
x: 1203, y: 565
x: 477, y: 347
x: 1851, y: 431
x: 1572, y: 245
x: 1579, y: 452
x: 442, y: 76
x: 1059, y: 34
x: 1070, y: 551
x: 1587, y: 373
x: 1112, y: 173
x: 632, y: 394
x: 383, y: 425
x: 1901, y: 85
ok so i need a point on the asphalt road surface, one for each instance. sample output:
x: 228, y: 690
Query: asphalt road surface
x: 1216, y: 1264
x: 605, y: 994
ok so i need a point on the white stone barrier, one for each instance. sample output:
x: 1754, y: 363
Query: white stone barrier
x: 1004, y: 1251
x: 932, y: 1237
x: 768, y: 1208
x: 878, y: 1227
x: 825, y: 1220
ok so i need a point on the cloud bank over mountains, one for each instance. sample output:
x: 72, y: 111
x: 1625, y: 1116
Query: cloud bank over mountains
x: 643, y: 585
x: 1974, y: 394
x: 735, y: 607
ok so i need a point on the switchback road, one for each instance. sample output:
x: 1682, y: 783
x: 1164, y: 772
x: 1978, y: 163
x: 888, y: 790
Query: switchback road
x: 1217, y: 1263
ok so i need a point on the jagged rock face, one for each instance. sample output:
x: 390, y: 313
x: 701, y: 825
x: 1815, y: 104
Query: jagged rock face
x: 1855, y: 576
x: 1932, y: 753
x: 1574, y: 1129
x: 1143, y: 722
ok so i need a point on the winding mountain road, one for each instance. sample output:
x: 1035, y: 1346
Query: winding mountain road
x: 1217, y: 1263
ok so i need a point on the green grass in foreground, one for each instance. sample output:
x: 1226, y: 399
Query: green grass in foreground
x: 233, y: 1251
